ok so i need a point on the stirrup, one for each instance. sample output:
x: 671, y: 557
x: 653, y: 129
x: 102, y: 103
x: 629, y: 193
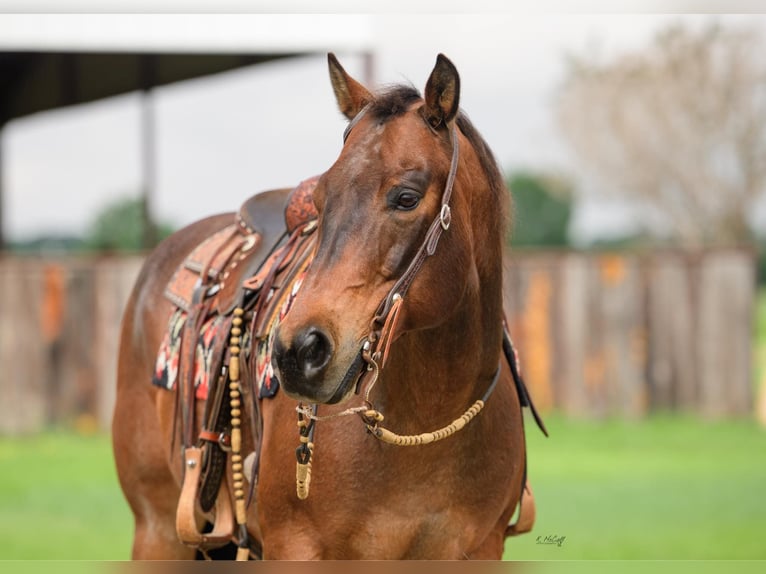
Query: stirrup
x: 186, y: 516
x: 526, y: 518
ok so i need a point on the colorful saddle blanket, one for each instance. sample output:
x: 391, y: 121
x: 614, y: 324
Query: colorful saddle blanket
x: 206, y: 354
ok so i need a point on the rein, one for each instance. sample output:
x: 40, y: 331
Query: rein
x: 375, y: 349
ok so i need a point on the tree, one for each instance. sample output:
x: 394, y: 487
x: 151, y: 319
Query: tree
x: 542, y: 206
x: 680, y: 125
x: 120, y: 227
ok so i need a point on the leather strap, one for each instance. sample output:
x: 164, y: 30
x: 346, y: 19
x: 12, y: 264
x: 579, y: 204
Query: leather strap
x: 220, y: 438
x: 382, y: 327
x: 524, y: 398
x: 186, y: 515
x: 438, y: 226
x: 355, y: 121
x: 384, y: 323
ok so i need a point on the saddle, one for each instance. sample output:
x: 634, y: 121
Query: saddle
x: 236, y: 252
x: 237, y: 276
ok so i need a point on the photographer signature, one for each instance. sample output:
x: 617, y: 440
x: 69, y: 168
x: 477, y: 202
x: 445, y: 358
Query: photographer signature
x: 551, y: 539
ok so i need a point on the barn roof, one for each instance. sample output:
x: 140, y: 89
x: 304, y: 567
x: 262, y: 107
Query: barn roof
x: 54, y: 60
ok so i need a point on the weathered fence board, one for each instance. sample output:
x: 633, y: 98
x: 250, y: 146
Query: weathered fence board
x: 23, y: 369
x: 725, y: 300
x: 623, y: 334
x: 59, y: 331
x: 598, y: 334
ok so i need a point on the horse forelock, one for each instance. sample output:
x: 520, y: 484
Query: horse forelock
x: 393, y: 101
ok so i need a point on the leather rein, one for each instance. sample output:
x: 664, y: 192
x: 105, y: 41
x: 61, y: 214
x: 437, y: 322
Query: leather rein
x: 375, y: 349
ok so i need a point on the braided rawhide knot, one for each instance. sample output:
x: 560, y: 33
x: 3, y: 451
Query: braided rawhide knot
x: 303, y: 456
x: 371, y: 418
x: 303, y: 474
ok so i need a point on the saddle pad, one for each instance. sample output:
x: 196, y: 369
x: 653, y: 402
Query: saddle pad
x: 168, y: 357
x: 166, y: 366
x: 265, y: 379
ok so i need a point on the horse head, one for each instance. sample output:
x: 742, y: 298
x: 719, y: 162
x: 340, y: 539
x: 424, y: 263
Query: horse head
x: 409, y: 217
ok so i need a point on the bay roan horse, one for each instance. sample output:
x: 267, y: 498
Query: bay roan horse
x: 401, y: 305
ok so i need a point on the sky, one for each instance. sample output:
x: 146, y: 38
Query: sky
x: 225, y: 137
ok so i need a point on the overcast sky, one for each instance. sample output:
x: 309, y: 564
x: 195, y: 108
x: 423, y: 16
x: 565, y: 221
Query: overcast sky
x: 222, y: 138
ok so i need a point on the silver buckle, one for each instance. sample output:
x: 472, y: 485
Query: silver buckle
x: 445, y: 217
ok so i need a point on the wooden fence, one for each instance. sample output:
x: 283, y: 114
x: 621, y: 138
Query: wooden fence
x: 598, y: 335
x: 617, y: 334
x: 59, y: 330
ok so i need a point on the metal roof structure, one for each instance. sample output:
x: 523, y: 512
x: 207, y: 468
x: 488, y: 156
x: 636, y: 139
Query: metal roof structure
x: 49, y: 61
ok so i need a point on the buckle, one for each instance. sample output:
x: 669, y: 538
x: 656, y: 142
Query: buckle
x: 445, y: 217
x: 222, y: 439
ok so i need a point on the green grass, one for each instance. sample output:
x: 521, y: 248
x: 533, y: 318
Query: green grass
x: 59, y: 499
x: 759, y: 341
x: 667, y: 488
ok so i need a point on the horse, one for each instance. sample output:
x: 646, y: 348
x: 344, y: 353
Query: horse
x: 390, y: 359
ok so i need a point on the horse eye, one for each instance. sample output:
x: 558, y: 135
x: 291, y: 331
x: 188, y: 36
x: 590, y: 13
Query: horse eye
x: 407, y: 200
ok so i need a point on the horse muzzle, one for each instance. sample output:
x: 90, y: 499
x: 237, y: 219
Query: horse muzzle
x: 304, y: 367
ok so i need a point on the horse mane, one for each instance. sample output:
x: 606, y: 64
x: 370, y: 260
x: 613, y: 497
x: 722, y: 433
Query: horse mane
x: 393, y: 101
x: 488, y: 163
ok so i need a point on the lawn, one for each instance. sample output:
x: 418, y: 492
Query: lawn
x: 759, y: 341
x: 663, y: 488
x: 59, y: 499
x: 666, y: 488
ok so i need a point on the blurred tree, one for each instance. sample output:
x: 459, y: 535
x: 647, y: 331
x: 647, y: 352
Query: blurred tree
x: 761, y: 271
x: 542, y: 206
x: 120, y: 227
x: 681, y: 125
x: 47, y: 244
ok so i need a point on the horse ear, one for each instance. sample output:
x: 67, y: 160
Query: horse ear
x: 442, y: 93
x: 351, y: 95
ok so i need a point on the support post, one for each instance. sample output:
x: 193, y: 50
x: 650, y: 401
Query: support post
x: 148, y: 152
x: 3, y: 244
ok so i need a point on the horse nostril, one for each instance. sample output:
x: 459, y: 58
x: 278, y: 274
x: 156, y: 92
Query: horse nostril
x: 302, y: 361
x: 313, y: 350
x: 278, y: 350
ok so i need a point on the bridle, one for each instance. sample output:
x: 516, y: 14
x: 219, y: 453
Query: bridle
x: 373, y: 354
x: 383, y: 324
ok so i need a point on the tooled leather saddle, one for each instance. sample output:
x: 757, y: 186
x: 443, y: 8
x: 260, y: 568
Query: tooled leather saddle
x: 251, y: 264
